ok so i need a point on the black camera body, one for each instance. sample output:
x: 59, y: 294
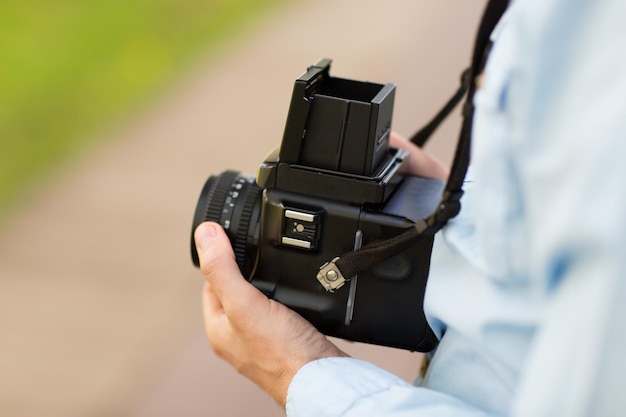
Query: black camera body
x: 332, y: 187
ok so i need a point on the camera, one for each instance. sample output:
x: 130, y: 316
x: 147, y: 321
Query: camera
x: 332, y: 186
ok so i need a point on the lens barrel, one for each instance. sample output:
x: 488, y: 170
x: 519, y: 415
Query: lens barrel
x: 233, y: 201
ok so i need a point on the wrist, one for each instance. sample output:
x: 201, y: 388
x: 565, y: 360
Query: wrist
x: 279, y: 387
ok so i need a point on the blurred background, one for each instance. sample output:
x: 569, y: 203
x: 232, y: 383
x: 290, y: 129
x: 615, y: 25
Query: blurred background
x: 112, y: 116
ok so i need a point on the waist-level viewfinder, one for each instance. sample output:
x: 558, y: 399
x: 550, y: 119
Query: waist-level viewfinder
x: 336, y: 140
x: 337, y: 124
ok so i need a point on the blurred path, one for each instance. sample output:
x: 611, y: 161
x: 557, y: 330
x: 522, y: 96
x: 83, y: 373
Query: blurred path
x: 99, y: 304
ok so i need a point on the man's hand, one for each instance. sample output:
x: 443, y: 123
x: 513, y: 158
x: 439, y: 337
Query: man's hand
x: 262, y: 339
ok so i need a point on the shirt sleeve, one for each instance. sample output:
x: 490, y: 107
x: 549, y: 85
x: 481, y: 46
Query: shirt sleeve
x: 350, y: 387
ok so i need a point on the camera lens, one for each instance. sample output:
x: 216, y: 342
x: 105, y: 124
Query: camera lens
x: 233, y: 201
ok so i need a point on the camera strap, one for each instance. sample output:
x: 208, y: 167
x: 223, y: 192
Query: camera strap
x: 352, y: 263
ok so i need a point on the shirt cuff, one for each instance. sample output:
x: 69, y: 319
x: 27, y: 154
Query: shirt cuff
x: 330, y: 386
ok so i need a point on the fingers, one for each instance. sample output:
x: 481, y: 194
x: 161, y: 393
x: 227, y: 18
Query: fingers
x: 419, y: 163
x: 220, y: 269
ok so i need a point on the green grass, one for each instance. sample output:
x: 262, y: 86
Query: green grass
x: 68, y: 67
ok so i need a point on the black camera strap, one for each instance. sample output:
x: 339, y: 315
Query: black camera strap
x: 369, y: 255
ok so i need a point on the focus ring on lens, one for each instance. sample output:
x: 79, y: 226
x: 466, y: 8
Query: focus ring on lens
x: 217, y: 196
x: 241, y: 237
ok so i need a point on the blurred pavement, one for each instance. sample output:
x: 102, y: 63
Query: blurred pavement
x: 99, y: 304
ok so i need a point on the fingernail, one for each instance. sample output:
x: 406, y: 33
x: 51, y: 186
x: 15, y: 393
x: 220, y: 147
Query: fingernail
x: 205, y: 234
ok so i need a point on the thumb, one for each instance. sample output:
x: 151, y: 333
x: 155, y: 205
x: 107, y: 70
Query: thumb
x: 217, y: 262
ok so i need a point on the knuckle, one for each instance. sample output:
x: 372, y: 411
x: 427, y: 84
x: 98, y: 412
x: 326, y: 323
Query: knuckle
x: 208, y: 265
x: 211, y: 262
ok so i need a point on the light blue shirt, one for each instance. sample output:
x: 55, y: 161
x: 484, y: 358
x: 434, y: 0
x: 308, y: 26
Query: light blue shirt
x: 528, y: 283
